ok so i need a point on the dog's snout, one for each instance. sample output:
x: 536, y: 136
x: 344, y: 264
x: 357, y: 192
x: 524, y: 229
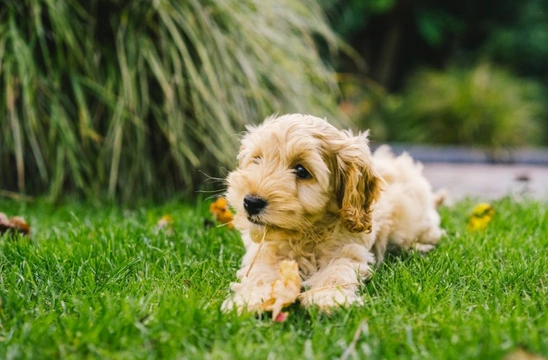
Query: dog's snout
x: 254, y: 204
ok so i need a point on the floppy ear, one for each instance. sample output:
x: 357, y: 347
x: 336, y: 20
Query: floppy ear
x: 358, y: 185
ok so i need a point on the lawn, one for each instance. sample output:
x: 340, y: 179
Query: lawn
x: 105, y: 282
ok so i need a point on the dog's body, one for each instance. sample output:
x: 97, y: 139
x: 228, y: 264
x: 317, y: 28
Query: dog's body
x: 308, y: 192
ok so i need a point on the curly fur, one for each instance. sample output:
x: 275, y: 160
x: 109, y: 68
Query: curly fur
x: 335, y: 224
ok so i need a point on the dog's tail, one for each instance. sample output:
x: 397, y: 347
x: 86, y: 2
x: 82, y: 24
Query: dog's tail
x: 440, y: 197
x: 392, y: 167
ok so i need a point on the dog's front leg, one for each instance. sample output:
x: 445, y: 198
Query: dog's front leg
x: 260, y: 268
x: 336, y: 284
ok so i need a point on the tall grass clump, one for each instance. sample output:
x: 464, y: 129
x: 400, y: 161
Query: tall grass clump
x: 134, y: 97
x: 484, y: 106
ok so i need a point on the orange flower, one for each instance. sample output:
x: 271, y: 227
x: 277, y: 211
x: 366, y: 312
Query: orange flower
x: 221, y: 212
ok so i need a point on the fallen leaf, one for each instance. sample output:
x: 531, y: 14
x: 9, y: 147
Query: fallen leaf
x: 165, y: 221
x: 285, y: 290
x: 166, y: 224
x: 522, y: 354
x: 15, y: 224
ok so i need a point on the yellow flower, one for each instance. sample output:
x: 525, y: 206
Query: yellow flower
x: 481, y: 215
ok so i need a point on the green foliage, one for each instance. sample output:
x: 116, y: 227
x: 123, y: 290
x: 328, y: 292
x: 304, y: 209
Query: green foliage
x: 364, y: 102
x: 434, y: 25
x: 349, y: 16
x: 426, y: 33
x: 98, y: 282
x: 521, y: 43
x: 483, y: 106
x: 134, y: 97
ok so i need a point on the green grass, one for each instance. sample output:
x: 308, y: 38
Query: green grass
x: 103, y: 282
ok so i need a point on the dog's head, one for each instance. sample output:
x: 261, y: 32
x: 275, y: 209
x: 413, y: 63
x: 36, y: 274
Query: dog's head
x: 297, y: 171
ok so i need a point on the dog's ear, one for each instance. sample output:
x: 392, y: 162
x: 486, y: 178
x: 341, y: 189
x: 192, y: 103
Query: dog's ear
x: 358, y: 184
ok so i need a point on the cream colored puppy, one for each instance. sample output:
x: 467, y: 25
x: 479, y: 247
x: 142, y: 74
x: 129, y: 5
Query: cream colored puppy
x: 307, y: 192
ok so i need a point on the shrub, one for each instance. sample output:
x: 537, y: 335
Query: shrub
x: 484, y: 106
x: 135, y: 97
x: 365, y: 103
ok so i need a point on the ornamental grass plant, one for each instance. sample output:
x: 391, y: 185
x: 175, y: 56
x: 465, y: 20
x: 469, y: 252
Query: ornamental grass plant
x: 140, y: 98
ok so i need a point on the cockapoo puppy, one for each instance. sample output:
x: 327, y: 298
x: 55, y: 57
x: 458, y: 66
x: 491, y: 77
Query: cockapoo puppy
x: 307, y: 192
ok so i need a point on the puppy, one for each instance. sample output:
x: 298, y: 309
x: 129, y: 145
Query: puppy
x: 307, y: 192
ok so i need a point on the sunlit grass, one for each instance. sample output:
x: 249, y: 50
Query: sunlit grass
x: 104, y: 282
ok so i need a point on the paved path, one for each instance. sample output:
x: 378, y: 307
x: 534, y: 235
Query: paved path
x: 488, y: 182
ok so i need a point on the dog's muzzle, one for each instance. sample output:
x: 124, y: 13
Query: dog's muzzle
x: 253, y: 205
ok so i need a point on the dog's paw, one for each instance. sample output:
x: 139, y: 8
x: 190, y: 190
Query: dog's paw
x: 246, y: 298
x: 329, y: 299
x: 423, y: 248
x: 241, y: 305
x: 236, y: 303
x: 229, y: 305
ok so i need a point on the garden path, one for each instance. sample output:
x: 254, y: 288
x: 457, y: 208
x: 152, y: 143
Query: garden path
x: 488, y: 182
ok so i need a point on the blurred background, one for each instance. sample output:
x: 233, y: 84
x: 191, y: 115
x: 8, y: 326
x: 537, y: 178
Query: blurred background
x: 130, y: 99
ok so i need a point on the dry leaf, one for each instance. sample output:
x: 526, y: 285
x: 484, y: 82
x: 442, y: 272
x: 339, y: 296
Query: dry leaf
x: 165, y: 223
x: 15, y: 224
x: 221, y: 212
x: 285, y: 290
x: 522, y: 354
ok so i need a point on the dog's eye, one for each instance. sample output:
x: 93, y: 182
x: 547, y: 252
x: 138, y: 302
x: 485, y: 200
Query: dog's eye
x: 301, y: 172
x: 256, y: 159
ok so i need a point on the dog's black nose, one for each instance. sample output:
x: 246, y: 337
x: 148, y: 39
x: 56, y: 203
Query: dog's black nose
x: 253, y: 204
